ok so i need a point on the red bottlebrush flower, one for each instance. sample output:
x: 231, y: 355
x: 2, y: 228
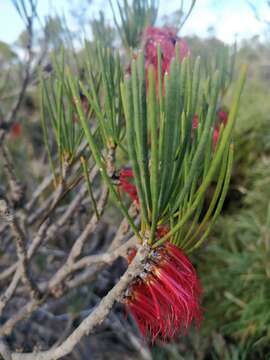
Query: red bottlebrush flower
x: 222, y: 119
x: 165, y: 300
x: 126, y: 173
x: 215, y: 136
x: 126, y: 185
x: 16, y: 129
x: 195, y: 122
x: 167, y: 39
x: 222, y: 116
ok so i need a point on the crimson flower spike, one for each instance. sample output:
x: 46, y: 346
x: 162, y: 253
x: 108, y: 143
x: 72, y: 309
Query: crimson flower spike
x: 16, y: 130
x: 124, y: 183
x: 222, y: 118
x: 165, y: 299
x: 167, y: 39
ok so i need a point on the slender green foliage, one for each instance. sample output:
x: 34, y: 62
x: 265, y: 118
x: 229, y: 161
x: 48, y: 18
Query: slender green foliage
x: 58, y: 109
x: 89, y: 185
x: 99, y: 159
x: 187, y: 160
x: 173, y: 162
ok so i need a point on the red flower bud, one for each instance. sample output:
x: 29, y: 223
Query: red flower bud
x: 222, y: 116
x: 215, y: 136
x: 16, y: 129
x: 126, y: 185
x: 195, y: 122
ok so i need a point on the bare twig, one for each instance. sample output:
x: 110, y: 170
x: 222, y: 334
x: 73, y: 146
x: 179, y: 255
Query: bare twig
x: 53, y: 228
x: 31, y: 251
x: 96, y: 317
x: 22, y: 255
x: 89, y: 274
x: 15, y: 186
x: 123, y: 228
x: 106, y: 258
x: 29, y: 19
x: 5, y: 298
x: 25, y: 311
x: 76, y: 250
x: 98, y: 261
x: 39, y: 190
x: 24, y: 267
x: 4, y: 350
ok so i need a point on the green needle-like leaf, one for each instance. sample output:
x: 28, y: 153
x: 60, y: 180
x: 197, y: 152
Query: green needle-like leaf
x: 216, y: 160
x: 126, y: 91
x: 152, y: 107
x: 96, y: 154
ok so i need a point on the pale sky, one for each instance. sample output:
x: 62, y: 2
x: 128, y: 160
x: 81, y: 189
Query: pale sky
x: 229, y: 17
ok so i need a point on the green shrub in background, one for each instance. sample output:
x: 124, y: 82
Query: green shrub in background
x: 237, y: 267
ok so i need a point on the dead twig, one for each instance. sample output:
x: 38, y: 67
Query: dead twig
x: 96, y: 317
x: 23, y: 269
x: 4, y: 350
